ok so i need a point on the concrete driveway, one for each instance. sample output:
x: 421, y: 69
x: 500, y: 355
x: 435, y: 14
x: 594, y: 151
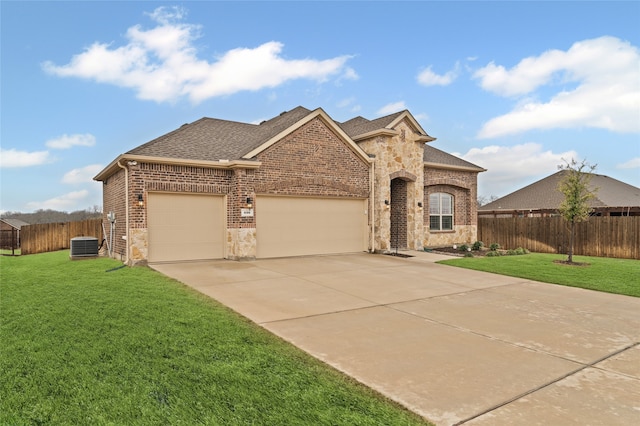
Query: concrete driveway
x: 455, y: 346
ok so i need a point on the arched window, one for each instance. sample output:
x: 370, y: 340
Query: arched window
x: 441, y: 212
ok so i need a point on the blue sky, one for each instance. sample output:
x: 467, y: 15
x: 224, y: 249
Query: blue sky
x: 513, y: 87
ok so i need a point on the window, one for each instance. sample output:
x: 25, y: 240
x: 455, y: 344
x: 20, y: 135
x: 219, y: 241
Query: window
x: 441, y: 212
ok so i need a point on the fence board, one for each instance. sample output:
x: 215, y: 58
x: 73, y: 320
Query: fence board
x: 603, y: 236
x: 45, y: 237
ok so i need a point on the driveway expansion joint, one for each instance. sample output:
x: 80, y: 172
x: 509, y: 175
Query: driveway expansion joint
x: 545, y: 385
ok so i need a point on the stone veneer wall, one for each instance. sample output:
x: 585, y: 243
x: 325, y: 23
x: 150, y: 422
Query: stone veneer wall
x: 397, y: 156
x: 463, y: 186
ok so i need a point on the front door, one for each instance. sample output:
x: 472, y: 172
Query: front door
x: 398, y: 214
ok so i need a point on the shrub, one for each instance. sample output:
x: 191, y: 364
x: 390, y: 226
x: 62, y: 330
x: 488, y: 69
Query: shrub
x: 519, y: 251
x: 494, y: 246
x: 511, y: 253
x: 477, y: 245
x: 468, y: 254
x: 494, y: 253
x: 463, y: 247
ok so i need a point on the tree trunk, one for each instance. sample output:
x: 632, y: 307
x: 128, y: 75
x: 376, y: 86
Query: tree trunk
x: 571, y: 239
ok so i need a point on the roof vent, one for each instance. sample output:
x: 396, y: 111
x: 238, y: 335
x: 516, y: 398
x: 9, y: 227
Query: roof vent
x: 84, y: 247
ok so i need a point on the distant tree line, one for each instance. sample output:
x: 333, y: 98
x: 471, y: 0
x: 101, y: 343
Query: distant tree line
x: 54, y: 216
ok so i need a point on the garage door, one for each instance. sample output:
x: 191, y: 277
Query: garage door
x: 291, y: 226
x: 185, y: 227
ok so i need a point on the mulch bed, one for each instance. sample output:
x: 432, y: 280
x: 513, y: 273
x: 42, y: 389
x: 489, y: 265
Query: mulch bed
x: 456, y: 252
x: 398, y: 254
x: 564, y: 262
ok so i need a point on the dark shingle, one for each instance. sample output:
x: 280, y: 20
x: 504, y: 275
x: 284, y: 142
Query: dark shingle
x: 360, y: 125
x: 213, y: 139
x: 544, y: 195
x: 434, y: 155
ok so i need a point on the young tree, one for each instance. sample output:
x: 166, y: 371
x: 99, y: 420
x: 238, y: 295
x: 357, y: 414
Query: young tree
x: 575, y: 186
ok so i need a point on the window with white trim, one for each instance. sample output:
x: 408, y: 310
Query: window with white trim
x: 441, y: 212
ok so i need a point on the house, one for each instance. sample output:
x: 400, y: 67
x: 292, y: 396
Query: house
x: 297, y: 184
x: 542, y: 198
x: 10, y: 232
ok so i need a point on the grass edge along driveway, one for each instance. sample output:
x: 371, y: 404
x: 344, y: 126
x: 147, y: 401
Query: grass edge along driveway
x: 81, y: 345
x: 620, y: 276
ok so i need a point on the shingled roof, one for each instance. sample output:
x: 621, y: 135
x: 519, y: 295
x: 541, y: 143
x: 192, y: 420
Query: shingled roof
x: 360, y: 125
x: 212, y: 139
x: 544, y: 195
x: 435, y: 157
x: 14, y: 223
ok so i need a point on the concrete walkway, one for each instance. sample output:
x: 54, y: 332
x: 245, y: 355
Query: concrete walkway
x: 454, y: 345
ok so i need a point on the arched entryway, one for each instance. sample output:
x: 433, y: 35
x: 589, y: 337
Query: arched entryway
x: 398, y: 213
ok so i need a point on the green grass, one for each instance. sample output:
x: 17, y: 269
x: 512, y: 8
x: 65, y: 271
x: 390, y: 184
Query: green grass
x: 621, y: 276
x: 81, y: 345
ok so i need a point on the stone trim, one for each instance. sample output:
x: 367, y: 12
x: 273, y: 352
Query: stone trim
x: 404, y: 175
x: 446, y: 182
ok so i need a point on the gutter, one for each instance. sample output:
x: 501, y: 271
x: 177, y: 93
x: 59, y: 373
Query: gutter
x: 452, y: 167
x: 219, y: 164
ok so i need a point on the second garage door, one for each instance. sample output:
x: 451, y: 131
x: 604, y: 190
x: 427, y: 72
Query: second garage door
x: 185, y: 227
x: 297, y: 226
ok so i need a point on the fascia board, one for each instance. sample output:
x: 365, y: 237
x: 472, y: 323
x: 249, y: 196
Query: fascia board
x: 220, y: 164
x: 452, y: 167
x: 377, y: 132
x: 406, y: 114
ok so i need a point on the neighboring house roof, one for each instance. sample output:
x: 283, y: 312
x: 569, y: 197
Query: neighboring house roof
x: 544, y: 195
x: 14, y: 223
x: 436, y: 158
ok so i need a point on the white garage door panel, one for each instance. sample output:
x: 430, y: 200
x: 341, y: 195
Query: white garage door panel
x: 288, y: 226
x: 185, y: 227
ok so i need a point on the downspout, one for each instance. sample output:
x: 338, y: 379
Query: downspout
x: 126, y: 209
x: 372, y: 207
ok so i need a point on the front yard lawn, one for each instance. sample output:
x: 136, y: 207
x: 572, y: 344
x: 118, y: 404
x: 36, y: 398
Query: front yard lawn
x: 84, y: 342
x: 621, y: 276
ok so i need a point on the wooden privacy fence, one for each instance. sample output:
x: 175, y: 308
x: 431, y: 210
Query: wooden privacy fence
x: 603, y: 236
x: 45, y: 237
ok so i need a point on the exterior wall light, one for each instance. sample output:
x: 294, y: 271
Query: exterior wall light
x: 419, y: 204
x: 386, y: 202
x: 249, y: 202
x: 140, y: 200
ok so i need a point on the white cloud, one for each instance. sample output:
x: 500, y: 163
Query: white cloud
x: 15, y: 158
x: 633, y: 163
x: 351, y: 104
x: 64, y: 202
x: 67, y: 141
x: 422, y: 117
x: 429, y: 78
x: 606, y: 95
x: 162, y: 64
x: 82, y: 175
x: 510, y: 167
x: 391, y: 108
